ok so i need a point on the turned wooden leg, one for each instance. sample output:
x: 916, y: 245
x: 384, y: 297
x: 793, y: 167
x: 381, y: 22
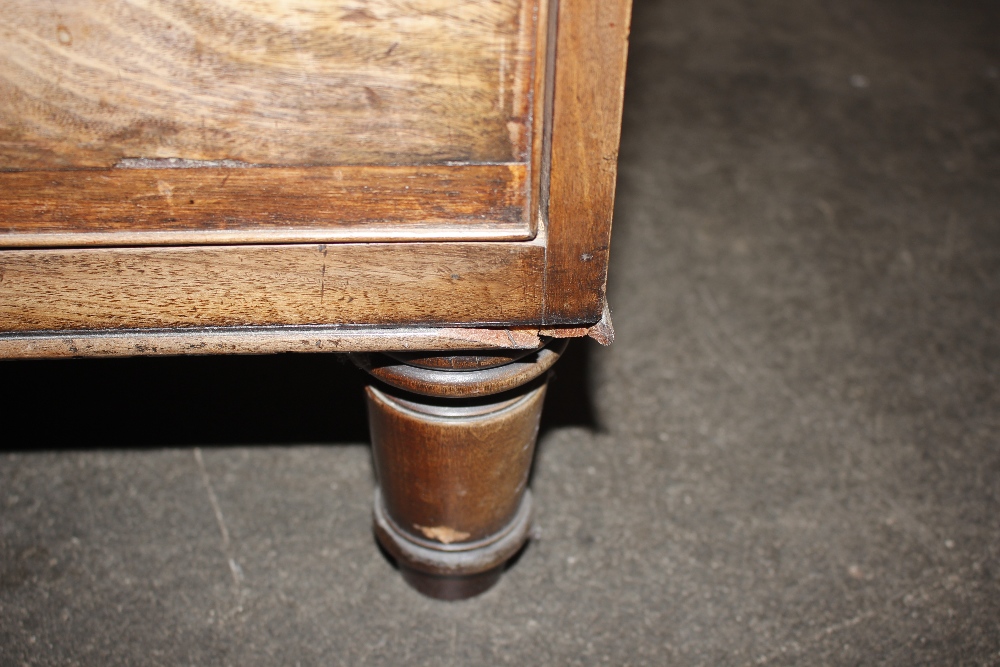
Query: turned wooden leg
x: 453, y: 437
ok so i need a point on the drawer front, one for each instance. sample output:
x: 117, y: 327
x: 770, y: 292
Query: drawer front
x: 135, y: 122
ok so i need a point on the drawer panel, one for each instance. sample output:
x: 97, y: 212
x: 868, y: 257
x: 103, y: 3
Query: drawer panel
x: 89, y: 83
x: 122, y: 207
x: 385, y: 284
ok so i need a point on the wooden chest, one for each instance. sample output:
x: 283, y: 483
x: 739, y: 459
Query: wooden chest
x: 250, y: 176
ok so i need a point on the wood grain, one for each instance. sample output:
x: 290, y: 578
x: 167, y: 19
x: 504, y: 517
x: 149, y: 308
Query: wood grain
x: 452, y: 504
x: 541, y: 106
x: 591, y: 46
x: 460, y: 472
x: 85, y: 83
x: 219, y: 205
x: 481, y: 283
x: 257, y: 340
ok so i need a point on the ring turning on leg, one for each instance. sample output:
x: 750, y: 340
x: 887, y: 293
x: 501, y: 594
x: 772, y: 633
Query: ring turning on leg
x: 452, y: 505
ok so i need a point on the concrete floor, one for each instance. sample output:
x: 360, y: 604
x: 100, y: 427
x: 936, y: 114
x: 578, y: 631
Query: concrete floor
x: 791, y: 455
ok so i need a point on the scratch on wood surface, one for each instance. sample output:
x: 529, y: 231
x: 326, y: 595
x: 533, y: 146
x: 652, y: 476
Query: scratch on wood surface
x: 179, y: 163
x: 322, y: 282
x: 502, y: 83
x: 509, y: 338
x: 165, y: 189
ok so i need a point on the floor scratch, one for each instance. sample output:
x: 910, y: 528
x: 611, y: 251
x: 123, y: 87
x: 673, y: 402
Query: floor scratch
x: 794, y: 648
x: 454, y: 643
x: 234, y: 568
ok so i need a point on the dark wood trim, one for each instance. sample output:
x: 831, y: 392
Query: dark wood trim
x: 452, y: 504
x: 127, y: 207
x: 541, y: 94
x: 591, y: 46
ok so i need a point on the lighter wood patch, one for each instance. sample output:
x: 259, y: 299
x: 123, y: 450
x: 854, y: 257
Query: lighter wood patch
x: 443, y: 534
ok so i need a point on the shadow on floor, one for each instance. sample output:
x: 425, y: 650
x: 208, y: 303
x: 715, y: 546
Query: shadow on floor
x: 218, y: 400
x: 568, y: 400
x: 185, y: 401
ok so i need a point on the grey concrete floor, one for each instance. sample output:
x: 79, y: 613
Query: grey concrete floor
x: 791, y: 455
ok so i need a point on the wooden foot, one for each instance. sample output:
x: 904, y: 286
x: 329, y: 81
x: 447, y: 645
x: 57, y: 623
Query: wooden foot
x: 453, y: 438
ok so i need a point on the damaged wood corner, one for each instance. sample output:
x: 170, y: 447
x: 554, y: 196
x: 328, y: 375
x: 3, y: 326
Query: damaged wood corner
x: 603, y: 332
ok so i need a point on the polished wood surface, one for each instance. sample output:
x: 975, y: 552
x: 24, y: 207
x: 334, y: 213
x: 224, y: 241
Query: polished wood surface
x: 452, y: 504
x: 87, y: 83
x: 591, y: 48
x: 187, y: 206
x: 453, y: 475
x: 383, y: 284
x: 214, y: 176
x: 557, y: 279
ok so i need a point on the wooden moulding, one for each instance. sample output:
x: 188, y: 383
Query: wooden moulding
x: 121, y: 207
x: 259, y: 340
x: 380, y: 284
x: 467, y: 382
x: 409, y: 344
x: 591, y: 47
x: 541, y: 103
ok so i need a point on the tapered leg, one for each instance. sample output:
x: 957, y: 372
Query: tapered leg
x: 453, y: 438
